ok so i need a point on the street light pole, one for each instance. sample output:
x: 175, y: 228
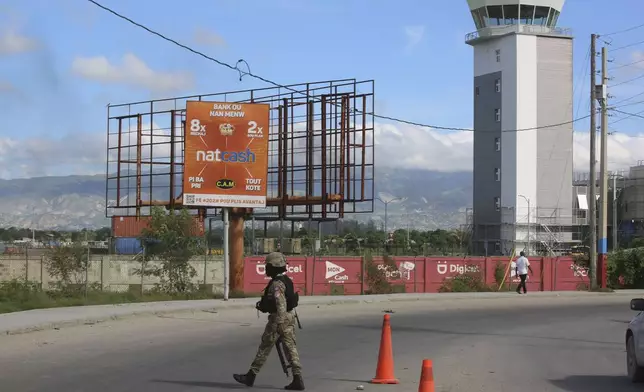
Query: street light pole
x: 386, y: 203
x: 528, y: 201
x: 615, y: 229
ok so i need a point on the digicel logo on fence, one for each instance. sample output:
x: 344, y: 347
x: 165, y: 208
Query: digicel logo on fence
x: 296, y: 269
x: 442, y: 268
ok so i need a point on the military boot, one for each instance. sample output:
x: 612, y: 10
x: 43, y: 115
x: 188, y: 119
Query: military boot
x: 247, y: 379
x: 297, y: 384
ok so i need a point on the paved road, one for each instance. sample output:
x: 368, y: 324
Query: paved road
x: 519, y: 343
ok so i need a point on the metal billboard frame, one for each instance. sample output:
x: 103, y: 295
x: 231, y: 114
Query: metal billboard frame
x: 321, y: 151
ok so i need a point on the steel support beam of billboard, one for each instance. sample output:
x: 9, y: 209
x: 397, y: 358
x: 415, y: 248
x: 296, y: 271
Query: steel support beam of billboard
x: 226, y: 255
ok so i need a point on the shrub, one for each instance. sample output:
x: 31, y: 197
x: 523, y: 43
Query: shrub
x: 169, y: 240
x: 626, y: 269
x: 465, y: 283
x: 376, y: 277
x: 17, y: 295
x: 67, y: 264
x: 499, y: 274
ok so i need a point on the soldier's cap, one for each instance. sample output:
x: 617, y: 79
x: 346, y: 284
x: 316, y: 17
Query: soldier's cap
x: 276, y: 259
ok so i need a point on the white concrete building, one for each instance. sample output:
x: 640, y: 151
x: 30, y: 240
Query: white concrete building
x: 523, y: 82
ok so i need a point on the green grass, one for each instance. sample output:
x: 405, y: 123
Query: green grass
x: 19, y: 295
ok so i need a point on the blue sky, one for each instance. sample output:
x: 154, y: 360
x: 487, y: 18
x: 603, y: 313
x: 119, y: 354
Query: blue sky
x: 62, y: 61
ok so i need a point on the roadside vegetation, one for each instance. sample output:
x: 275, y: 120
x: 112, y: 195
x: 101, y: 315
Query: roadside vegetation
x: 626, y: 268
x: 169, y: 246
x: 17, y: 295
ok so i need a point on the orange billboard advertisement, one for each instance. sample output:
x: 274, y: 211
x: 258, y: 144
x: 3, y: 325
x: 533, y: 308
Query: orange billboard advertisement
x: 225, y: 154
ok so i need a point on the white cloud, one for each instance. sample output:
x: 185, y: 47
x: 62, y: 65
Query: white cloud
x: 11, y: 42
x: 406, y: 146
x: 132, y: 71
x: 207, y: 37
x: 623, y: 151
x: 396, y: 146
x: 421, y: 148
x: 414, y: 36
x: 72, y: 154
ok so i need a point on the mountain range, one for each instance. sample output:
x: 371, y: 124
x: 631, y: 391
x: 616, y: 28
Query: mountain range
x: 430, y: 200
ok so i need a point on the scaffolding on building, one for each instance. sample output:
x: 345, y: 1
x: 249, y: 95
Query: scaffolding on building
x: 542, y: 231
x: 555, y: 231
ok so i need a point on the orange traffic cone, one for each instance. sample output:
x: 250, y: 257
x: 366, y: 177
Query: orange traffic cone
x: 426, y: 383
x: 385, y: 369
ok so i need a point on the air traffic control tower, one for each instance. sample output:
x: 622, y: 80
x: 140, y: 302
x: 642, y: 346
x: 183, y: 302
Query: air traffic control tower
x: 523, y: 84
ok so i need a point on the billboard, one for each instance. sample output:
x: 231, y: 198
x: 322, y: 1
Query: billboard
x: 225, y: 154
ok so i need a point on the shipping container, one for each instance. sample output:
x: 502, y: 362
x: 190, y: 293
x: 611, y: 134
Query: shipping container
x: 13, y: 250
x: 127, y: 246
x: 130, y: 226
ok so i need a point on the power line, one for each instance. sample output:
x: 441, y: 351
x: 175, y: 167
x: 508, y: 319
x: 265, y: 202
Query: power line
x: 628, y: 65
x: 615, y: 49
x: 629, y: 98
x: 629, y: 114
x: 626, y: 118
x: 224, y: 64
x: 585, y: 73
x: 628, y: 104
x: 623, y: 31
x: 627, y: 81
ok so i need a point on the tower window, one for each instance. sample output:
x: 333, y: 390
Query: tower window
x: 497, y: 115
x: 498, y: 55
x: 497, y: 144
x: 497, y: 85
x: 477, y: 91
x: 497, y: 203
x: 497, y: 174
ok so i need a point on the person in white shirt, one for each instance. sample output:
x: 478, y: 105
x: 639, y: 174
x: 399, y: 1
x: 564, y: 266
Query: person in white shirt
x: 521, y: 269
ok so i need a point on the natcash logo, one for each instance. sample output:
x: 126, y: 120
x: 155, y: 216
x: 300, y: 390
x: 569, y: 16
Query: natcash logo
x: 225, y: 183
x: 217, y: 155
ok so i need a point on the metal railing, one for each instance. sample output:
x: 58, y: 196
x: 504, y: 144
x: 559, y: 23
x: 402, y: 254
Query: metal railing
x: 495, y: 31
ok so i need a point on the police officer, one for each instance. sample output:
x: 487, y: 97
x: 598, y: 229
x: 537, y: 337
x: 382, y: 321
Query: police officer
x: 279, y: 300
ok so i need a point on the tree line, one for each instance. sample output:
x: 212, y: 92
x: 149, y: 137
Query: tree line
x: 348, y: 236
x: 10, y: 234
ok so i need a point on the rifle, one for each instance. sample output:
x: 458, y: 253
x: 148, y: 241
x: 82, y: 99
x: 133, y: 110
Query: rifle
x: 279, y: 345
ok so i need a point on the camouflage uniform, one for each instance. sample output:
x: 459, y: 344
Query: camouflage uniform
x: 280, y: 324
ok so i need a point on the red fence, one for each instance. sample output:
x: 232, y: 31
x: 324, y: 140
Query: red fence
x: 343, y: 275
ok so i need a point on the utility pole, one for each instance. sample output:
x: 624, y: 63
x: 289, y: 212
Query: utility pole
x: 592, y: 202
x: 603, y: 167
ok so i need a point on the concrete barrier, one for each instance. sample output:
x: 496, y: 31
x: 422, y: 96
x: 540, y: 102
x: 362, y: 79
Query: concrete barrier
x: 114, y: 273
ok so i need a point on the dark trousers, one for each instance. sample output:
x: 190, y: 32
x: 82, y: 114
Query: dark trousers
x: 522, y: 284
